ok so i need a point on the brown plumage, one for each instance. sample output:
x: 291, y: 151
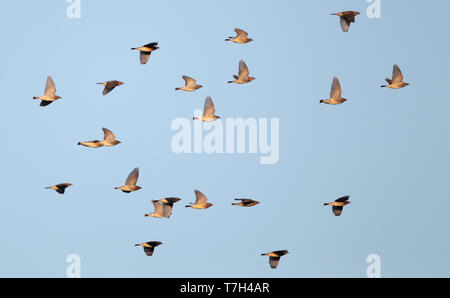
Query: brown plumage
x: 109, y: 140
x: 201, y: 202
x: 130, y: 183
x: 335, y: 94
x: 243, y: 75
x: 209, y: 111
x: 109, y: 86
x: 49, y: 93
x: 168, y: 205
x: 145, y: 51
x: 189, y: 85
x: 397, y: 79
x: 346, y: 18
x: 245, y: 203
x: 274, y: 257
x: 149, y: 247
x: 338, y: 205
x: 60, y: 188
x: 241, y: 37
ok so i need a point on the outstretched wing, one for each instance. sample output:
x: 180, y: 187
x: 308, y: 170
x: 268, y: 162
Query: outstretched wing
x: 144, y: 56
x: 189, y: 82
x: 273, y: 262
x: 50, y: 88
x: 149, y: 251
x: 345, y: 24
x: 132, y: 177
x: 209, y: 109
x: 335, y: 89
x: 158, y: 208
x: 343, y: 199
x: 243, y: 70
x: 200, y: 197
x: 337, y: 210
x: 108, y: 135
x: 241, y: 33
x: 397, y: 76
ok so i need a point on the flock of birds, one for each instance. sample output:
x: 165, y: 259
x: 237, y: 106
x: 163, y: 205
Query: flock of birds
x: 163, y: 208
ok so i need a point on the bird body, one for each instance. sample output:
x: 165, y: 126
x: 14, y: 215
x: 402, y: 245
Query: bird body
x: 338, y: 205
x: 274, y: 257
x: 49, y: 93
x: 146, y: 50
x: 208, y: 112
x: 109, y: 86
x: 190, y: 85
x: 245, y: 203
x: 243, y: 75
x: 241, y: 37
x: 335, y: 94
x: 130, y: 183
x: 109, y: 140
x: 397, y: 79
x: 201, y: 201
x: 346, y: 18
x: 60, y: 188
x: 149, y: 247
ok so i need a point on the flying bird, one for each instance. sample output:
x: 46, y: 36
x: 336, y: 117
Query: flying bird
x: 397, y: 79
x: 159, y: 210
x: 241, y: 37
x: 190, y: 84
x: 149, y: 247
x: 338, y: 205
x: 109, y: 140
x: 145, y: 51
x: 201, y: 202
x: 49, y: 93
x: 109, y: 86
x: 60, y: 188
x: 245, y: 203
x: 243, y: 75
x: 346, y: 17
x: 208, y: 112
x: 335, y: 94
x: 274, y: 257
x: 130, y: 183
x: 168, y: 205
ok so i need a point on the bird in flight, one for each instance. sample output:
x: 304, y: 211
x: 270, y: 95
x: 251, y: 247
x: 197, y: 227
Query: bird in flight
x: 149, y: 247
x: 109, y: 86
x: 243, y: 75
x: 241, y: 37
x: 346, y: 18
x: 130, y: 183
x: 145, y: 51
x: 168, y: 205
x: 245, y: 203
x: 208, y: 112
x: 49, y: 93
x: 159, y: 210
x: 60, y: 188
x: 201, y: 202
x: 190, y: 85
x: 397, y: 79
x: 109, y: 140
x: 274, y: 257
x: 338, y: 205
x: 335, y: 94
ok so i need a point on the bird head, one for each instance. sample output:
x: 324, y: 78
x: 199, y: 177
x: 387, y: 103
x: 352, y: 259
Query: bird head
x: 251, y: 78
x: 250, y: 39
x: 58, y: 97
x: 116, y: 142
x: 120, y: 83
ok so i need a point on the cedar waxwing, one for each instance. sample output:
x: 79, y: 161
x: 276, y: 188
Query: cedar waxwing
x: 346, y: 18
x: 146, y: 50
x: 130, y: 183
x: 60, y: 188
x: 338, y: 205
x: 274, y: 257
x: 200, y: 201
x: 245, y: 203
x: 109, y: 86
x: 241, y: 37
x: 208, y: 112
x: 168, y: 205
x: 335, y: 94
x: 397, y: 79
x: 189, y: 84
x: 49, y: 93
x: 149, y: 247
x: 109, y: 140
x: 159, y: 210
x: 242, y: 77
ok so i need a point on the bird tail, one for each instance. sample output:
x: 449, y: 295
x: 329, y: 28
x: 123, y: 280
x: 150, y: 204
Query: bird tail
x: 188, y: 206
x: 194, y: 118
x: 146, y: 215
x: 322, y: 101
x: 383, y: 86
x: 133, y: 49
x: 35, y: 97
x: 137, y: 245
x: 234, y: 204
x: 79, y: 143
x: 176, y: 89
x: 326, y: 204
x: 229, y: 82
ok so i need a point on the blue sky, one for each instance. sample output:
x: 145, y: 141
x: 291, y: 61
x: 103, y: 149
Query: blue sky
x: 388, y: 149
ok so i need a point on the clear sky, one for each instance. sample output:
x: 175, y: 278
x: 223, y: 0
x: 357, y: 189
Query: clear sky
x: 388, y: 149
